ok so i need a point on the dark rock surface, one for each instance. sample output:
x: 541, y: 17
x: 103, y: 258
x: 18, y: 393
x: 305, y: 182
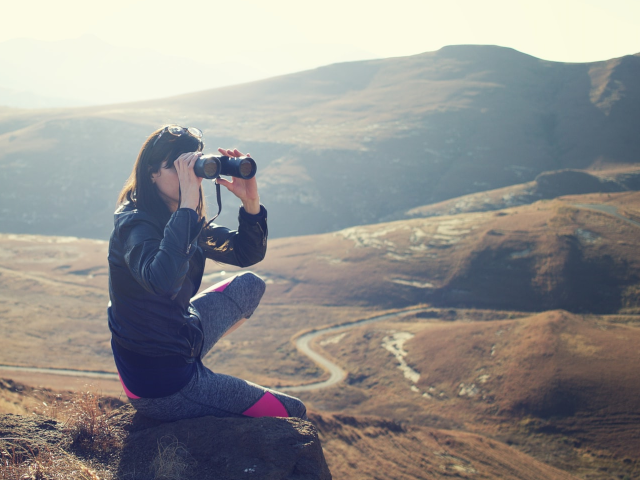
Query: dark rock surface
x: 226, y: 448
x: 201, y: 448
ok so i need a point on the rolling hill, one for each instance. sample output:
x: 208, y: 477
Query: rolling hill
x: 481, y: 183
x: 338, y: 146
x: 561, y: 254
x: 564, y: 253
x: 556, y: 386
x: 546, y: 186
x: 574, y: 372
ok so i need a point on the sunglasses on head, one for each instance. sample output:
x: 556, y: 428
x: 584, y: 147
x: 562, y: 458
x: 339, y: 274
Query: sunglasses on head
x: 177, y: 131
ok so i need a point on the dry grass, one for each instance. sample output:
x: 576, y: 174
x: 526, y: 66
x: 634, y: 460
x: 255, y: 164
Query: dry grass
x: 173, y: 461
x: 23, y: 459
x: 88, y: 424
x: 363, y: 448
x: 14, y: 407
x: 88, y: 431
x: 19, y: 399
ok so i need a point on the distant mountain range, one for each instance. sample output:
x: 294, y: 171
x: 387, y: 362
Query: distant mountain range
x: 347, y: 144
x: 90, y: 71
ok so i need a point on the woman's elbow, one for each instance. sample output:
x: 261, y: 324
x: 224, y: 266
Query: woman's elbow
x: 164, y: 284
x: 245, y: 261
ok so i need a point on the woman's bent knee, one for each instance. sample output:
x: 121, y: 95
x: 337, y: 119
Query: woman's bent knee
x: 247, y: 290
x: 253, y: 281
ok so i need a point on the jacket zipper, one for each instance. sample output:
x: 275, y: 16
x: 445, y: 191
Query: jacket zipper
x: 188, y: 241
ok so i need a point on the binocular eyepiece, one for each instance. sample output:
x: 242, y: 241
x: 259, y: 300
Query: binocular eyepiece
x: 212, y: 166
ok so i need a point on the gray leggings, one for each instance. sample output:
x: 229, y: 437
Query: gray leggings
x: 208, y: 393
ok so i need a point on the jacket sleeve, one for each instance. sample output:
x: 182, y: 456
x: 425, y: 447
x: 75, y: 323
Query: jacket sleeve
x: 243, y: 247
x: 160, y: 261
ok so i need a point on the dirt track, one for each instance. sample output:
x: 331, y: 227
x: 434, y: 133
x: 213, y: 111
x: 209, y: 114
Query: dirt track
x: 62, y: 371
x: 337, y: 374
x: 609, y: 209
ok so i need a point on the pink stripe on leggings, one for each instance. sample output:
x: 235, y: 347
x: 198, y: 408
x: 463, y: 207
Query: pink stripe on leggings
x: 267, y: 406
x: 127, y: 392
x: 220, y: 286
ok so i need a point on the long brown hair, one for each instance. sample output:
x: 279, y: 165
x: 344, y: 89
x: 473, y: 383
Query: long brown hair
x: 140, y: 190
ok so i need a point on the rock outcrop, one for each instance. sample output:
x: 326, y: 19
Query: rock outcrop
x: 201, y: 448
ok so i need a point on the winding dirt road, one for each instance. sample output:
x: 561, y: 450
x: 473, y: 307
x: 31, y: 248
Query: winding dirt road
x: 336, y: 373
x: 608, y: 209
x: 61, y: 371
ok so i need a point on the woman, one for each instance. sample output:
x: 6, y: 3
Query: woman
x: 160, y: 331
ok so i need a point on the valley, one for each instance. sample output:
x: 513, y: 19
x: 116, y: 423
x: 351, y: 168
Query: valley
x: 452, y: 272
x: 541, y: 383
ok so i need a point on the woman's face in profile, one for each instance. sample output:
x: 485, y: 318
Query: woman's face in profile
x: 168, y: 185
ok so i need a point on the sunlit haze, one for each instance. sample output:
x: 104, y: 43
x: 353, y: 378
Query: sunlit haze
x: 293, y: 35
x: 120, y: 51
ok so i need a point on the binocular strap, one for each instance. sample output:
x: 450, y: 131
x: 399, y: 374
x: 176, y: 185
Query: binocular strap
x: 219, y: 200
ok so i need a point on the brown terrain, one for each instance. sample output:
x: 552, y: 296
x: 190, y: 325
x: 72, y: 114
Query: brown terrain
x: 548, y: 255
x: 488, y: 198
x: 355, y: 447
x: 546, y: 186
x: 479, y: 369
x: 558, y: 386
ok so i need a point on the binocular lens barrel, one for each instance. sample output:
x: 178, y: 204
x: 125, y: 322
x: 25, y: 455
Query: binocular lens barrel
x: 246, y: 168
x: 211, y: 169
x: 212, y: 166
x: 207, y: 166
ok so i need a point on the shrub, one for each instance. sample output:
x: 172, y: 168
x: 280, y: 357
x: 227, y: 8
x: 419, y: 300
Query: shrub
x: 89, y: 425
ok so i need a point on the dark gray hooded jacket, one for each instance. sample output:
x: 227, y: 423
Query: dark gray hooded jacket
x: 155, y: 269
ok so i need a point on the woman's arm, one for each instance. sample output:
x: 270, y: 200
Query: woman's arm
x: 159, y: 260
x: 247, y: 245
x: 243, y: 247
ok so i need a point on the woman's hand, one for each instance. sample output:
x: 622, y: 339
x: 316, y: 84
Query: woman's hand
x: 245, y: 190
x: 189, y: 181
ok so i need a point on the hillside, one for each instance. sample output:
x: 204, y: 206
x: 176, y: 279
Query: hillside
x: 560, y: 254
x: 548, y: 255
x: 556, y: 386
x: 355, y: 447
x: 341, y: 145
x: 575, y: 372
x: 372, y: 448
x: 546, y: 186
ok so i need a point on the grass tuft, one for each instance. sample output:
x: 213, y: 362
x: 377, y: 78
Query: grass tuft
x: 22, y: 460
x: 173, y: 460
x: 89, y: 425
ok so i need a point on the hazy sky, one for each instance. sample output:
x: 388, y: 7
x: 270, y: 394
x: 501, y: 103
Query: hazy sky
x: 293, y: 35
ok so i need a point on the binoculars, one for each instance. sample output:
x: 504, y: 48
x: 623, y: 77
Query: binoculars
x: 212, y: 166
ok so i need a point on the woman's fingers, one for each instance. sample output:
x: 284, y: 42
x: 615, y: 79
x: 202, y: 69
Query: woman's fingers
x: 224, y: 182
x: 187, y: 159
x: 230, y: 153
x: 184, y: 167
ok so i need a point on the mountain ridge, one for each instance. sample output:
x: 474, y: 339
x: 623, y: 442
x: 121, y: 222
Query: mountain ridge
x: 378, y: 136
